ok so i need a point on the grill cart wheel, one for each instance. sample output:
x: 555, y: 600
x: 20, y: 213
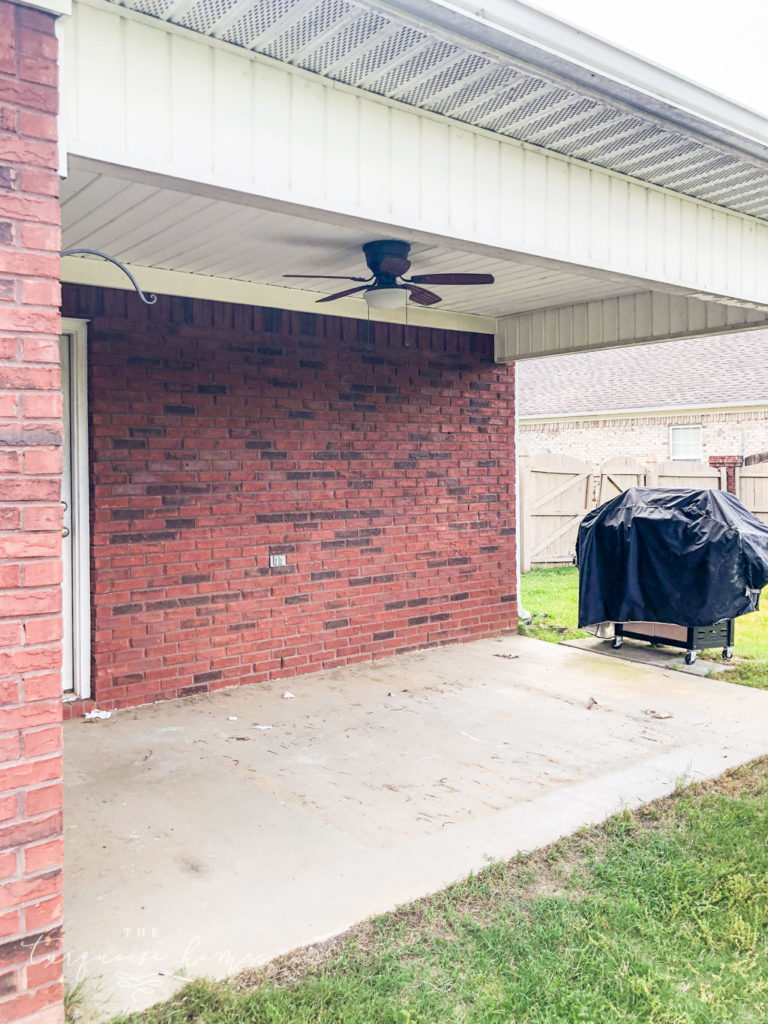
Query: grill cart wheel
x: 690, y: 657
x: 727, y: 653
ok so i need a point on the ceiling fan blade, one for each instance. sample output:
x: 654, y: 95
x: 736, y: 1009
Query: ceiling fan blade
x: 396, y: 265
x: 340, y: 295
x: 421, y: 296
x: 330, y: 277
x: 452, y: 279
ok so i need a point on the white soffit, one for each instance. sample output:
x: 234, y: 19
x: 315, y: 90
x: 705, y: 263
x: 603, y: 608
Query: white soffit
x: 438, y: 58
x: 153, y: 227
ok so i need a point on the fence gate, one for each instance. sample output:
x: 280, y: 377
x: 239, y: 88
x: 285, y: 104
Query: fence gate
x: 616, y: 475
x: 685, y: 474
x: 752, y: 489
x: 556, y: 494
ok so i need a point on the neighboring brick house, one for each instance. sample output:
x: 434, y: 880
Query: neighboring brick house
x: 696, y: 399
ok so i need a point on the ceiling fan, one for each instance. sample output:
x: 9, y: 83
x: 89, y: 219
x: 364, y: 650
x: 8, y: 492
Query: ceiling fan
x: 387, y: 288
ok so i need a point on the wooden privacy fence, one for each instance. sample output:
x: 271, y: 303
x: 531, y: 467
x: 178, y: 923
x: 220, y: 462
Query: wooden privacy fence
x: 555, y: 495
x: 752, y: 489
x: 557, y: 491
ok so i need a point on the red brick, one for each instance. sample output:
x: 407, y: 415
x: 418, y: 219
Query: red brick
x: 42, y: 574
x: 42, y: 519
x: 40, y: 801
x: 54, y: 1014
x: 7, y: 39
x: 42, y: 687
x: 26, y: 660
x: 29, y: 378
x: 39, y: 181
x: 9, y: 807
x: 8, y: 348
x: 26, y: 94
x: 45, y: 913
x: 43, y: 406
x: 29, y: 263
x: 10, y: 747
x: 42, y: 741
x: 38, y: 21
x: 10, y: 462
x: 29, y: 545
x: 43, y: 972
x: 29, y: 715
x: 38, y: 631
x: 27, y: 890
x: 31, y: 773
x: 42, y: 461
x: 37, y: 44
x: 10, y: 924
x: 41, y: 321
x: 41, y: 293
x: 42, y: 215
x: 39, y: 70
x: 25, y: 1007
x: 9, y: 404
x: 8, y: 863
x: 9, y: 119
x: 44, y: 856
x: 17, y: 149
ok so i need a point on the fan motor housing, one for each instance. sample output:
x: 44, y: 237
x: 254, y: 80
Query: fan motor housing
x: 376, y: 251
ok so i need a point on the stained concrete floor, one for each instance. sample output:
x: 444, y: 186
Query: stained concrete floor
x: 199, y: 843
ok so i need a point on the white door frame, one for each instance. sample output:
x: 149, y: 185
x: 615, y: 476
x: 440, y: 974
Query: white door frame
x: 76, y: 674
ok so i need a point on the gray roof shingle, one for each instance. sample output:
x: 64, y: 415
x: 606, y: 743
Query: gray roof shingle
x: 727, y: 369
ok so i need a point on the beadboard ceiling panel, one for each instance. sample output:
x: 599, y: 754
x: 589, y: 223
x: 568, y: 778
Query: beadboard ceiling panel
x: 147, y: 226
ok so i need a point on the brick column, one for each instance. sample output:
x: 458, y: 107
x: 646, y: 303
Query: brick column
x: 30, y: 523
x: 730, y: 464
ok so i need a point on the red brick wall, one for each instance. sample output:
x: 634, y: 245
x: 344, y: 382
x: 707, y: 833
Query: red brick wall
x: 30, y: 523
x: 381, y: 466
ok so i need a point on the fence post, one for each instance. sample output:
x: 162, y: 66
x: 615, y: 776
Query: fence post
x: 524, y: 469
x: 727, y: 464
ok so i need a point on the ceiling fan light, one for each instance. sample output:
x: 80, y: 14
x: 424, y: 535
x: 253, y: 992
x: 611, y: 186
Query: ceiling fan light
x: 386, y: 298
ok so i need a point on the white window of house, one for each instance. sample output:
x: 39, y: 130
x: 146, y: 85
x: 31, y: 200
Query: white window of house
x: 685, y: 443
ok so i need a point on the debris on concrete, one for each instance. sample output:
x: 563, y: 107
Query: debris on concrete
x: 508, y: 656
x: 96, y: 715
x: 262, y: 727
x: 233, y: 718
x: 288, y: 695
x: 657, y: 714
x: 591, y: 703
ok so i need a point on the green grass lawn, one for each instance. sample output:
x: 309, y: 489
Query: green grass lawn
x: 656, y: 917
x: 552, y: 595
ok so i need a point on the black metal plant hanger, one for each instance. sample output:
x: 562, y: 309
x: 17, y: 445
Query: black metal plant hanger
x: 149, y: 300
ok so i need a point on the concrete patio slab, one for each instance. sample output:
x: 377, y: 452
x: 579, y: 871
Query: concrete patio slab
x: 201, y: 842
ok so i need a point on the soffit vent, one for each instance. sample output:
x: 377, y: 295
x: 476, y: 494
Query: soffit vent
x: 380, y: 52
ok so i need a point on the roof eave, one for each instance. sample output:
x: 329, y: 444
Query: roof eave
x: 564, y: 51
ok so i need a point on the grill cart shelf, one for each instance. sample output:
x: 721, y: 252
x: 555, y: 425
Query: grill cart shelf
x: 691, y: 638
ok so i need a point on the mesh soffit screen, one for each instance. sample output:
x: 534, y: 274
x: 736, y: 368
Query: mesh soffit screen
x: 385, y: 53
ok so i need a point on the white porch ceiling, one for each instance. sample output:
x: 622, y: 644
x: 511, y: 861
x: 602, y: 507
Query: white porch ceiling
x: 520, y: 92
x: 154, y: 227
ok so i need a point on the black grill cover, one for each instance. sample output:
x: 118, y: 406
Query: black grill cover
x: 654, y: 554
